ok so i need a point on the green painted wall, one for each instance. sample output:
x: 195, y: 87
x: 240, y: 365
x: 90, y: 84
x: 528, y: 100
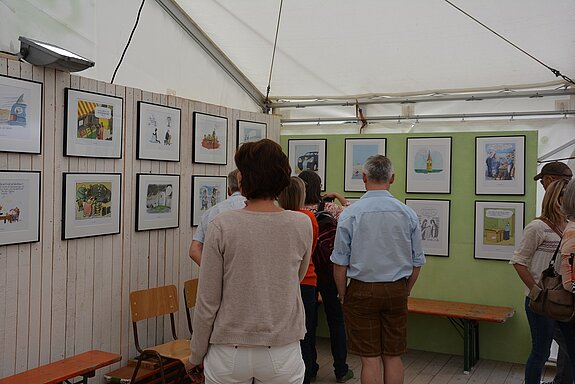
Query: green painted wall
x: 458, y: 277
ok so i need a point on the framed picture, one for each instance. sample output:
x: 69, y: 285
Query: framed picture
x: 308, y: 155
x: 250, y: 131
x: 428, y: 165
x: 434, y: 222
x: 158, y: 199
x: 356, y: 153
x: 19, y: 207
x: 500, y: 165
x: 207, y: 191
x: 91, y: 204
x: 158, y: 132
x: 498, y: 229
x: 210, y: 139
x: 93, y: 124
x: 20, y: 115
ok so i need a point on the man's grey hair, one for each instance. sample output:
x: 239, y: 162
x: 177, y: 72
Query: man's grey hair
x: 378, y: 168
x: 568, y: 206
x: 233, y: 184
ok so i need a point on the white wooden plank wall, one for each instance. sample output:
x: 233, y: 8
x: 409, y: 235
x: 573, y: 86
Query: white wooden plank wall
x: 60, y: 298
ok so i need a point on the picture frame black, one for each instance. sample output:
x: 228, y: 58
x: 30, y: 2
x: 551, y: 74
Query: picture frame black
x: 21, y: 115
x: 93, y: 125
x: 309, y: 155
x: 500, y: 165
x: 357, y: 150
x: 428, y: 165
x: 434, y: 219
x: 210, y: 139
x: 207, y: 191
x: 91, y: 204
x: 247, y: 131
x: 164, y: 146
x: 20, y: 206
x: 157, y: 201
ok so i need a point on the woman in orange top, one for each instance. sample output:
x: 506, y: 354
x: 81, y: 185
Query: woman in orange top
x: 293, y: 198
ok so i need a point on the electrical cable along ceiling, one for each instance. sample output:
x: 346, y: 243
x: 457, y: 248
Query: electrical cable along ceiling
x: 343, y: 49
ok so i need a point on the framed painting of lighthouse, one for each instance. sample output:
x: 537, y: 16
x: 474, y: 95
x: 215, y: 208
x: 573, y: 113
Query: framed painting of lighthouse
x: 210, y: 139
x: 93, y: 124
x: 428, y: 165
x: 158, y: 199
x: 356, y: 153
x: 20, y: 115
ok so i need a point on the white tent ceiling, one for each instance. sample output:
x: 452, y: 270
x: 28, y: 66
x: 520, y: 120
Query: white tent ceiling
x: 342, y: 48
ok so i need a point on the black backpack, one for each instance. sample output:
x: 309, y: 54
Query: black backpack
x: 327, y: 225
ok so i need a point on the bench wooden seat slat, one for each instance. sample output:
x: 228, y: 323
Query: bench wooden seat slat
x: 457, y: 310
x: 83, y: 364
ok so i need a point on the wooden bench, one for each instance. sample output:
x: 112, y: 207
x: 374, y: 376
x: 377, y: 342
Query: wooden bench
x: 465, y: 317
x: 84, y: 364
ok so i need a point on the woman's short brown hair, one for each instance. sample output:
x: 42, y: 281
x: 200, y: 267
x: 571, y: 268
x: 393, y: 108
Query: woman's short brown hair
x: 264, y: 169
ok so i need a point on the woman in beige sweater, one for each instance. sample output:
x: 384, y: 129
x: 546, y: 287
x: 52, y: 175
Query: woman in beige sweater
x: 249, y: 315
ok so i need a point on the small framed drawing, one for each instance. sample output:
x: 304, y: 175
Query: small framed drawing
x: 158, y: 132
x: 250, y: 131
x: 356, y: 153
x: 20, y: 115
x: 308, y: 155
x: 91, y: 204
x: 433, y: 218
x: 210, y: 139
x: 500, y: 165
x: 93, y: 124
x: 207, y: 191
x: 19, y: 207
x: 498, y: 229
x: 158, y: 199
x: 428, y: 165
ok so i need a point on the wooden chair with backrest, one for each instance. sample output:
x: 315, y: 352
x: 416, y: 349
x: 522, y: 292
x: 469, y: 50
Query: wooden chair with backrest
x: 158, y: 302
x: 190, y: 294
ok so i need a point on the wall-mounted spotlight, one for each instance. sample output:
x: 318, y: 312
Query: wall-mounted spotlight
x: 48, y: 55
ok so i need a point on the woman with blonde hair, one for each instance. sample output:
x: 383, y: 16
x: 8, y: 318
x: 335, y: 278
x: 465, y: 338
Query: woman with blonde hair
x: 541, y: 237
x: 293, y: 198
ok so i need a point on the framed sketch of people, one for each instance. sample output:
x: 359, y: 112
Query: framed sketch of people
x: 158, y: 132
x: 210, y: 139
x: 91, y: 204
x: 308, y: 155
x: 207, y: 191
x: 158, y: 199
x: 250, y: 131
x: 356, y: 153
x: 93, y: 124
x: 428, y: 165
x: 500, y: 165
x: 20, y: 115
x: 498, y: 229
x: 433, y: 218
x: 19, y: 207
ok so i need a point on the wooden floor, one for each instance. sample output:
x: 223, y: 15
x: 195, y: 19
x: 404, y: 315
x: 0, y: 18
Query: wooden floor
x: 432, y: 368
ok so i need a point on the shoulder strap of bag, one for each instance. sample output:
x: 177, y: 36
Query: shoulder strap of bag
x: 552, y: 261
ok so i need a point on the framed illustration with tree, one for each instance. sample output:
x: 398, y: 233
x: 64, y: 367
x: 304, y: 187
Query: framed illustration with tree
x: 158, y: 201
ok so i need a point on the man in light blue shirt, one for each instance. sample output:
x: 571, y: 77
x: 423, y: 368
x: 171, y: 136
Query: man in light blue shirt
x: 377, y: 246
x: 234, y: 201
